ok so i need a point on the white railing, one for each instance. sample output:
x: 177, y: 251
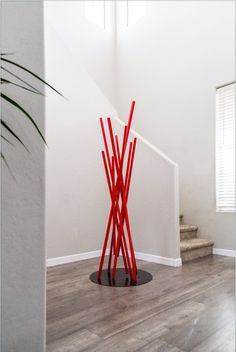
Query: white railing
x: 150, y: 145
x: 171, y: 240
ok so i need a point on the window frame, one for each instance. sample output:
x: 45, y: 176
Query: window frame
x: 220, y: 208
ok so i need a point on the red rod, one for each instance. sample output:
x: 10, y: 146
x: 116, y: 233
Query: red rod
x: 123, y: 241
x: 105, y: 143
x: 119, y: 213
x: 105, y: 244
x: 112, y: 194
x: 112, y: 245
x: 118, y: 187
x: 129, y: 175
x: 113, y: 144
x: 113, y: 199
x: 118, y: 148
x: 127, y: 168
x: 130, y: 242
x: 119, y: 174
x: 131, y: 167
x: 129, y: 124
x: 126, y: 218
x: 123, y: 193
x: 128, y: 165
x: 125, y: 247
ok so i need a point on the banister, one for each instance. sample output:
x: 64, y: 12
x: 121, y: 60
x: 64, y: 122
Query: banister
x: 150, y: 145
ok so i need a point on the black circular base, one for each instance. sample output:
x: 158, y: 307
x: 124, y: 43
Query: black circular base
x: 122, y: 279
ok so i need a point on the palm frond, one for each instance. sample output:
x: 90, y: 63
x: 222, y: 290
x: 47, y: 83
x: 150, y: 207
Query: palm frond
x: 21, y: 80
x: 15, y: 104
x: 7, y: 165
x: 5, y: 139
x: 4, y: 124
x: 5, y: 54
x: 27, y: 87
x: 30, y: 72
x: 6, y: 81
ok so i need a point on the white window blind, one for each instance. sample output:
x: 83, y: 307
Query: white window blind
x: 128, y: 12
x: 136, y: 10
x: 225, y: 149
x: 100, y: 12
x: 95, y: 12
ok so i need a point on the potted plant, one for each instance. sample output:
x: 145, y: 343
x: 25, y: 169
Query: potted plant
x: 23, y: 85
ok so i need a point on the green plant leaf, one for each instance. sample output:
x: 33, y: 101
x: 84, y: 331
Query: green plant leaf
x: 5, y: 54
x: 30, y: 72
x: 4, y: 124
x: 2, y: 80
x: 5, y: 139
x: 14, y: 103
x: 20, y: 79
x: 7, y: 165
x: 5, y: 81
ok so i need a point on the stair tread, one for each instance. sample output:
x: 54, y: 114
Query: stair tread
x: 194, y: 243
x: 188, y: 228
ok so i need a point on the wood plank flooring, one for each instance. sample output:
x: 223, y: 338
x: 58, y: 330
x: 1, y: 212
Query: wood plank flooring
x: 183, y: 309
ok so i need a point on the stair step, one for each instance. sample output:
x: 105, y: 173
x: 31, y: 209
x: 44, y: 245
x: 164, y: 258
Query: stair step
x: 195, y: 243
x: 195, y: 248
x: 188, y: 232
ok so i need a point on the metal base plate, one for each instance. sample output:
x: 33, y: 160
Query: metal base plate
x: 122, y: 279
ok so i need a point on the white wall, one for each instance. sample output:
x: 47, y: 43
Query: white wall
x: 76, y: 201
x: 155, y: 233
x: 80, y: 60
x: 22, y: 198
x: 170, y: 61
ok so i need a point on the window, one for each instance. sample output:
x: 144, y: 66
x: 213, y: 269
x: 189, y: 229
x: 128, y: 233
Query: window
x: 128, y: 12
x: 225, y: 148
x: 99, y: 12
x: 94, y: 12
x: 106, y: 13
x: 136, y: 10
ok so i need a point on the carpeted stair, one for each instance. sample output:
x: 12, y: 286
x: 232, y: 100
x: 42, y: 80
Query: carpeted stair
x: 192, y: 247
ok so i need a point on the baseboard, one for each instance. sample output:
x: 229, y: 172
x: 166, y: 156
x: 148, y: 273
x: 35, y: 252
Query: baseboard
x: 175, y: 262
x: 74, y: 258
x: 225, y: 252
x: 94, y: 254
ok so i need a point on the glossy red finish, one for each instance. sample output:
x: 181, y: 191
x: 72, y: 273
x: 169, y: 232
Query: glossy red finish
x: 118, y: 170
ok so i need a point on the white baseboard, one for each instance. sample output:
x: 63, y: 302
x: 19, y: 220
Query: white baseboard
x: 225, y: 252
x: 74, y: 258
x: 94, y: 254
x: 175, y: 262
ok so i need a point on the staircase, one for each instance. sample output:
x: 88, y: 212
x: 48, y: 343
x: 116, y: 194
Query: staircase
x: 192, y: 247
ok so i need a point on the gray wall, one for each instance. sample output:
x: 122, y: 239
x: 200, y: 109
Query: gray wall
x: 76, y: 193
x: 154, y: 233
x: 170, y: 61
x: 23, y: 252
x: 77, y: 201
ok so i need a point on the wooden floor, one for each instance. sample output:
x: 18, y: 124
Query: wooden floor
x: 182, y: 309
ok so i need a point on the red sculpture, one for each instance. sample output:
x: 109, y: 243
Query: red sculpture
x: 118, y: 178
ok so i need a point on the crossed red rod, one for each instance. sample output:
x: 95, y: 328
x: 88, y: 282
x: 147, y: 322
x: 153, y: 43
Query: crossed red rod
x: 116, y: 204
x: 121, y: 229
x: 120, y: 187
x: 124, y: 200
x: 115, y: 221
